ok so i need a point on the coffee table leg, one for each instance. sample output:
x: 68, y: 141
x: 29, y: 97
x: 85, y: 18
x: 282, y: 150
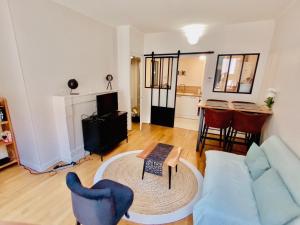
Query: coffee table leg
x: 176, y: 168
x: 170, y: 176
x: 143, y: 170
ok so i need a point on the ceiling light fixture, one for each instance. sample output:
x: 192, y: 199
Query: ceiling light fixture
x: 193, y: 32
x: 202, y: 57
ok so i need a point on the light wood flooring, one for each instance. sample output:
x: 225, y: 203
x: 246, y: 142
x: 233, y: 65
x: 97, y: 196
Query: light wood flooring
x: 45, y: 200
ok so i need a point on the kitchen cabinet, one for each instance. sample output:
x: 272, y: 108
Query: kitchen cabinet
x: 187, y: 106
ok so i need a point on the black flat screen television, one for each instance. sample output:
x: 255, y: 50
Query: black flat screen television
x: 107, y: 103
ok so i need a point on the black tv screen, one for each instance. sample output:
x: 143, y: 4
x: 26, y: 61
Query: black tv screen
x: 107, y: 103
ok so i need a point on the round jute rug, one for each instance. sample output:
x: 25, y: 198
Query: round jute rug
x: 154, y: 202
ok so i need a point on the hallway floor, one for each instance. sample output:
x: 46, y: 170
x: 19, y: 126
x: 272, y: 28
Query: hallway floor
x: 189, y: 124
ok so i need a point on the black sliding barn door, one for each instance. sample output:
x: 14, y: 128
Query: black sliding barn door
x: 163, y: 82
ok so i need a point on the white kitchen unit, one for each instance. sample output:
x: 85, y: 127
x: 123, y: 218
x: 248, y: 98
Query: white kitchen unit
x: 69, y: 111
x: 187, y: 106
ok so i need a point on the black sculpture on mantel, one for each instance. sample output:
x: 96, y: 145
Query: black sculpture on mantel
x: 109, y: 78
x: 73, y: 84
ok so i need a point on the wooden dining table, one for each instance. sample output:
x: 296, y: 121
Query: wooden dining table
x: 228, y: 105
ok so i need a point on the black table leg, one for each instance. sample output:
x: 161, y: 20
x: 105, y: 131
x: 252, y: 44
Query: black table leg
x: 170, y: 176
x: 258, y: 138
x: 176, y: 168
x: 200, y: 129
x: 143, y: 170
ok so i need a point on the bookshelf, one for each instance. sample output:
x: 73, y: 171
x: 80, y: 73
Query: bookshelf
x: 11, y: 146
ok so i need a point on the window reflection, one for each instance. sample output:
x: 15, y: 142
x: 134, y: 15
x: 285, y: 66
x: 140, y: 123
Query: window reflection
x: 221, y: 73
x: 235, y: 73
x: 248, y: 73
x: 162, y: 73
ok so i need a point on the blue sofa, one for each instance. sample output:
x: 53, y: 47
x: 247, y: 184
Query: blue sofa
x: 228, y: 197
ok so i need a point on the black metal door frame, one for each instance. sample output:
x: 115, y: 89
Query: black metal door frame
x: 164, y: 115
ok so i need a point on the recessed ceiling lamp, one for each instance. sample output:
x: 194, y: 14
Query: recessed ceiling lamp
x: 193, y: 32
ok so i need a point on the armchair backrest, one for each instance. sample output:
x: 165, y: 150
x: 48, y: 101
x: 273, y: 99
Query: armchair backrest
x: 91, y: 206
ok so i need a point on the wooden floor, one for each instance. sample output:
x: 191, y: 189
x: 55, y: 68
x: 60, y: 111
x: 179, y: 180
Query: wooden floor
x: 45, y: 200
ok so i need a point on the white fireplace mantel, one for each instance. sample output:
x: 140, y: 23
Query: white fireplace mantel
x: 69, y: 111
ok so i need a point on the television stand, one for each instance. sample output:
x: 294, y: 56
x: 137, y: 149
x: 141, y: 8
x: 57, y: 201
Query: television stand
x: 102, y: 133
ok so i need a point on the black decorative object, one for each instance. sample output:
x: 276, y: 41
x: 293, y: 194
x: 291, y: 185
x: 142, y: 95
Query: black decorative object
x: 109, y: 78
x: 2, y: 114
x: 73, y: 84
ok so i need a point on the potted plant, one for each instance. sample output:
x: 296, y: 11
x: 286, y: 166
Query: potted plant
x: 270, y: 97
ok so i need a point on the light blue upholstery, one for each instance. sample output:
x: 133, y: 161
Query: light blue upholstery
x: 285, y: 162
x: 227, y: 197
x: 227, y: 186
x: 256, y: 161
x: 274, y: 202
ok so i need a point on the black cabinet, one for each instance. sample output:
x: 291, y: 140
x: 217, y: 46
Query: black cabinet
x: 102, y: 133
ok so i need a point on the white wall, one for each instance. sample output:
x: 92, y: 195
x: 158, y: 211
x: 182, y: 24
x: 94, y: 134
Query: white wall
x: 130, y: 43
x: 236, y: 38
x: 194, y: 68
x: 123, y: 40
x: 12, y: 87
x: 283, y: 75
x: 56, y: 44
x: 137, y: 50
x: 135, y: 83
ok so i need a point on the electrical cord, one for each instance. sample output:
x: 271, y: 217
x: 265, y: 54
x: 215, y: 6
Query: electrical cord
x: 92, y: 118
x: 84, y: 116
x: 58, y: 167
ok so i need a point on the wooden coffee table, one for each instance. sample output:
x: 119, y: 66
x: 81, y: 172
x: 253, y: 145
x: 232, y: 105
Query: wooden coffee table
x: 171, y: 161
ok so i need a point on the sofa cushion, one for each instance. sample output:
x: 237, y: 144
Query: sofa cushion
x: 274, y: 202
x: 285, y: 162
x: 227, y: 197
x: 295, y: 221
x: 256, y: 161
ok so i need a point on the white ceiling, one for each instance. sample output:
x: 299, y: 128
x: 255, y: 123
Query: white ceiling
x: 165, y: 15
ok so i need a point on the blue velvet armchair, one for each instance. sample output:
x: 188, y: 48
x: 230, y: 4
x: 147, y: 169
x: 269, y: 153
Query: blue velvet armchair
x: 104, y: 203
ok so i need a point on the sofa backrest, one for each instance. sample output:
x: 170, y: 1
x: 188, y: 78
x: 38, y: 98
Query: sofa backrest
x: 285, y: 162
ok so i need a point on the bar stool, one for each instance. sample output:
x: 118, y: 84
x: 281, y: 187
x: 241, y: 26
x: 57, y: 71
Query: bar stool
x: 244, y: 103
x: 216, y: 119
x: 211, y: 100
x: 248, y: 123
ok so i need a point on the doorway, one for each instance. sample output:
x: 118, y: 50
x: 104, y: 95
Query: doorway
x: 191, y: 71
x: 161, y: 77
x: 135, y: 89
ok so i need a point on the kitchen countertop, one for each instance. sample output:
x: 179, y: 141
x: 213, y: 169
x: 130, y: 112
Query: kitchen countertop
x: 188, y: 94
